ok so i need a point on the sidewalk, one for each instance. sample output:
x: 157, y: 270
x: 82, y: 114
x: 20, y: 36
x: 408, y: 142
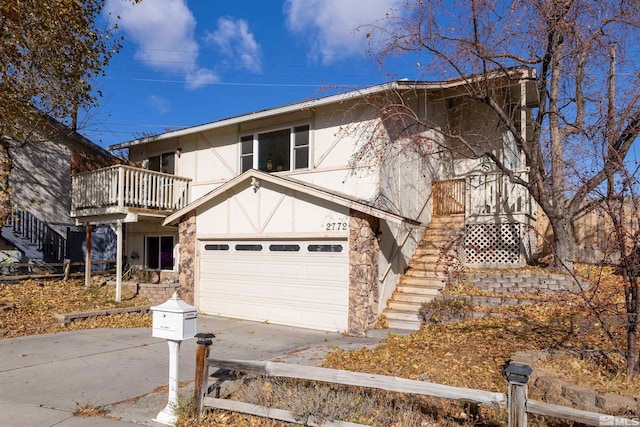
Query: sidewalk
x: 45, y: 378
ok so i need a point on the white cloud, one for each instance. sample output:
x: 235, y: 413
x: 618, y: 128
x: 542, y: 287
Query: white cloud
x: 163, y: 31
x: 330, y: 25
x: 236, y: 41
x: 158, y: 103
x: 200, y: 77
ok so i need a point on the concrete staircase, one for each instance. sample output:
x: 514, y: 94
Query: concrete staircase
x: 424, y: 278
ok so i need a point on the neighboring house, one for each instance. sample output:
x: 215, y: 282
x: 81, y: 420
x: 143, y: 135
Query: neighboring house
x: 267, y: 217
x: 41, y: 226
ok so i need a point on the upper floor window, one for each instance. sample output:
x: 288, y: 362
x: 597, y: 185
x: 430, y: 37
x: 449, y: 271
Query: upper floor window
x: 165, y: 162
x: 275, y: 151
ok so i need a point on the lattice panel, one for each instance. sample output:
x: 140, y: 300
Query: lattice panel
x: 492, y: 243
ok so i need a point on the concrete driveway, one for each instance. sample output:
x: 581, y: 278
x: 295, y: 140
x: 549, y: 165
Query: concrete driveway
x: 44, y: 378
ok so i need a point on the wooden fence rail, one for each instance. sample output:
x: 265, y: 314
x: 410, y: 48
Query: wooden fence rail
x: 52, y: 270
x: 516, y: 401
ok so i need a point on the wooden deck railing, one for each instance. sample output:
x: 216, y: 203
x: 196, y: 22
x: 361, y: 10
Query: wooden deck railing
x: 494, y: 194
x: 125, y: 186
x: 449, y: 197
x: 489, y: 193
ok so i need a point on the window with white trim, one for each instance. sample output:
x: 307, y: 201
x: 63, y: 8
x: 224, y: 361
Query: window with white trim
x: 275, y: 151
x: 159, y: 252
x: 164, y: 162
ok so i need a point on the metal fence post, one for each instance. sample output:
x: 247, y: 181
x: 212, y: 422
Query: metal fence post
x: 202, y: 352
x: 518, y: 376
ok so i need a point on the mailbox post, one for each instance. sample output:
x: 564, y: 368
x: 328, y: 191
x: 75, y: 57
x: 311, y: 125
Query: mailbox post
x: 173, y: 320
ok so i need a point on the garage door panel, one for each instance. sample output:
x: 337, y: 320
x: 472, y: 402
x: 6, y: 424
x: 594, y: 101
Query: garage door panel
x: 298, y: 288
x: 283, y: 270
x: 323, y: 298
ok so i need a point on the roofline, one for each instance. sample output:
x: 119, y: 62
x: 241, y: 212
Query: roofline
x: 518, y: 72
x: 312, y: 103
x: 78, y: 136
x: 292, y: 185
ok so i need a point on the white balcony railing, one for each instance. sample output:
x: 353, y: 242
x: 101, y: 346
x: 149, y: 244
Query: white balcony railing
x: 120, y: 187
x: 493, y: 194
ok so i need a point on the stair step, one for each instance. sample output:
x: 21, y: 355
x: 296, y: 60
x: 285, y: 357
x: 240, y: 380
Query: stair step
x: 443, y: 230
x: 423, y: 280
x: 427, y: 264
x: 406, y: 315
x: 406, y: 325
x: 433, y: 247
x: 413, y: 306
x: 455, y: 219
x: 411, y: 297
x: 428, y: 257
x: 412, y: 290
x: 424, y: 273
x: 437, y: 244
x: 430, y: 282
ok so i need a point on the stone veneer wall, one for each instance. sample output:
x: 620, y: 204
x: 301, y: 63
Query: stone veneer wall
x: 187, y: 254
x: 363, y: 272
x: 157, y: 293
x: 516, y: 283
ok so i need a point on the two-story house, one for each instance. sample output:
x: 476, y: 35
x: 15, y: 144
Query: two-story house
x: 40, y: 225
x: 270, y: 216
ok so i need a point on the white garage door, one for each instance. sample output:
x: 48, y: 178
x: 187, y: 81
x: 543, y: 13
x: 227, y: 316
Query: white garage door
x: 297, y: 283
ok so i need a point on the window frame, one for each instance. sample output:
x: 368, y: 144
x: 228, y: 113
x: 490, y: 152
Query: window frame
x: 159, y: 254
x: 171, y: 160
x: 292, y: 152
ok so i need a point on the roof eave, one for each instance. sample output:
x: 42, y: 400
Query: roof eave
x: 293, y: 185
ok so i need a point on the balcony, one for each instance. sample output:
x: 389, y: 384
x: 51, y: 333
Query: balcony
x: 121, y: 191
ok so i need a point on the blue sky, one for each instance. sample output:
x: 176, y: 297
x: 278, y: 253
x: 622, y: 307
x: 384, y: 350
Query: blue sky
x: 188, y: 62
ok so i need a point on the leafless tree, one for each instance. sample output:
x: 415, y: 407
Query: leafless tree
x: 580, y: 132
x: 582, y: 54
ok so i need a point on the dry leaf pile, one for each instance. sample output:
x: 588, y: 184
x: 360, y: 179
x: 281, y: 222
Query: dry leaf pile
x: 470, y: 353
x: 474, y: 352
x: 34, y: 303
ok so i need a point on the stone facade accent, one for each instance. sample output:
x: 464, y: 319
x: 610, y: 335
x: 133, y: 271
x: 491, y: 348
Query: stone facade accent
x: 363, y: 272
x: 186, y: 267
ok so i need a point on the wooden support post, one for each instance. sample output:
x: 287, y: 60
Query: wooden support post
x: 67, y: 269
x: 518, y: 376
x: 202, y: 373
x: 119, y: 246
x: 87, y: 258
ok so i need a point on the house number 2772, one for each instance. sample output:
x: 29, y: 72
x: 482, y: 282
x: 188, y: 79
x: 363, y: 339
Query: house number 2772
x: 336, y: 226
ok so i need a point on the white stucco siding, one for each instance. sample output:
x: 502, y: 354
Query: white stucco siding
x: 186, y: 162
x: 405, y: 183
x: 397, y: 244
x: 362, y: 183
x: 270, y: 211
x: 217, y: 156
x: 340, y: 133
